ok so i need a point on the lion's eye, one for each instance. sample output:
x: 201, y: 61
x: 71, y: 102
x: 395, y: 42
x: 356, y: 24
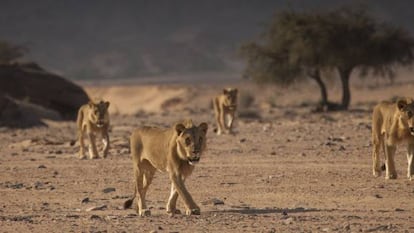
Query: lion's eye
x: 187, y: 141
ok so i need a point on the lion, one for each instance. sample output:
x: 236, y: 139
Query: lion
x: 175, y: 150
x: 392, y: 124
x: 93, y: 119
x: 225, y: 106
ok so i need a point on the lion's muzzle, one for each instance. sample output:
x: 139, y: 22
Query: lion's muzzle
x: 100, y: 124
x: 194, y: 159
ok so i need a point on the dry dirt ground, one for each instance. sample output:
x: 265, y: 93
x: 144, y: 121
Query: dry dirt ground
x: 287, y: 171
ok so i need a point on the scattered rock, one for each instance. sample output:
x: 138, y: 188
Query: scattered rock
x: 399, y: 210
x: 95, y: 217
x: 41, y: 166
x: 29, y: 83
x: 94, y: 208
x: 108, y: 190
x: 377, y: 196
x: 85, y: 200
x: 288, y: 221
x: 346, y: 227
x: 15, y: 186
x: 213, y: 201
x: 242, y: 140
x: 72, y: 142
x: 38, y: 185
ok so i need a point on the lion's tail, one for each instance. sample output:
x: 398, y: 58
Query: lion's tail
x: 128, y: 203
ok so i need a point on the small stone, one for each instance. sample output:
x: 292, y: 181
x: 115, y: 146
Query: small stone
x: 214, y: 201
x: 108, y: 190
x: 288, y: 221
x: 41, y: 166
x: 95, y: 217
x: 377, y: 196
x: 85, y: 200
x: 399, y: 210
x: 347, y: 227
x: 242, y: 140
x: 94, y: 208
x: 217, y: 201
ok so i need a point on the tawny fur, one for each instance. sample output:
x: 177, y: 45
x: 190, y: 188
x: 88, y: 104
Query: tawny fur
x: 225, y: 107
x: 392, y: 124
x: 173, y: 150
x: 93, y: 120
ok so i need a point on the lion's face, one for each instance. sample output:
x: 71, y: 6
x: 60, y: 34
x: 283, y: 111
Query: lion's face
x: 406, y: 107
x: 191, y: 142
x: 99, y: 113
x: 230, y: 99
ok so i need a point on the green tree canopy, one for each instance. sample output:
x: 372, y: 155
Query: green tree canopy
x: 297, y: 45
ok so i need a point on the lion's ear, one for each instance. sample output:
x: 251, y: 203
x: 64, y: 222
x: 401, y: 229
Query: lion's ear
x: 401, y: 104
x: 179, y: 128
x: 107, y: 104
x: 225, y: 91
x: 90, y: 103
x: 203, y: 126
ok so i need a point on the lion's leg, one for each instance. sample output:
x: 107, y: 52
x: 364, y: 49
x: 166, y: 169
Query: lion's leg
x: 93, y: 152
x: 82, y: 154
x: 230, y: 122
x: 217, y: 115
x: 390, y: 172
x: 172, y: 201
x: 140, y: 193
x: 191, y: 206
x: 222, y: 122
x: 219, y: 120
x: 376, y: 162
x: 410, y: 156
x: 105, y: 141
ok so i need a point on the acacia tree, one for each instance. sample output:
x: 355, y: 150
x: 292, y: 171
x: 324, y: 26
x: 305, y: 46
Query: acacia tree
x: 297, y: 45
x: 10, y: 52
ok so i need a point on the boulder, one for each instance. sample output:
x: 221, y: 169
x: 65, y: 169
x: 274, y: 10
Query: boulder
x: 30, y: 83
x: 15, y: 116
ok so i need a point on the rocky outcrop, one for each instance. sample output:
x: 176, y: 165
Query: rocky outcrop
x: 29, y: 83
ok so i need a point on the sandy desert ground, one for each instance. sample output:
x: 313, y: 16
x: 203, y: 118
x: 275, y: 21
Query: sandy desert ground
x: 285, y: 170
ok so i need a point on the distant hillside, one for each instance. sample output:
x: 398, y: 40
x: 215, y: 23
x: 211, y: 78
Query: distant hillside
x: 123, y: 39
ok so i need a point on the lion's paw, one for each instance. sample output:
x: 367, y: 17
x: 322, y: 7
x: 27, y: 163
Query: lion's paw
x: 145, y: 213
x: 194, y: 211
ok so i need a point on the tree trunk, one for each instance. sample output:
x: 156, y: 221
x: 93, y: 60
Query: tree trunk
x: 345, y: 74
x: 316, y: 75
